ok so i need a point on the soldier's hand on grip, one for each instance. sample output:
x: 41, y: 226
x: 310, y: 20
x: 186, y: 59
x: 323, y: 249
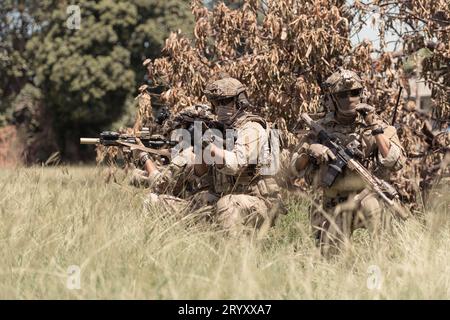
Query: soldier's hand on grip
x: 367, y: 111
x: 364, y: 108
x: 321, y: 153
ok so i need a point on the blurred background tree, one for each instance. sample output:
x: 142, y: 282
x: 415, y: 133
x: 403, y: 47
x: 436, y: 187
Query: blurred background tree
x: 15, y: 30
x: 87, y: 75
x: 58, y: 82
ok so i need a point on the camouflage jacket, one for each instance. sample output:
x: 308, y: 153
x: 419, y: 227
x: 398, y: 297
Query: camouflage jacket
x: 245, y: 165
x: 177, y: 178
x: 348, y: 182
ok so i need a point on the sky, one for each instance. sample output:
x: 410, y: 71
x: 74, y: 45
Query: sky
x: 371, y: 33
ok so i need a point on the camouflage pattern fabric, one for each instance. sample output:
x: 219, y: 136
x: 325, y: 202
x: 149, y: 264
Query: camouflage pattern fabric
x: 343, y: 80
x: 224, y: 88
x: 347, y: 204
x: 248, y: 201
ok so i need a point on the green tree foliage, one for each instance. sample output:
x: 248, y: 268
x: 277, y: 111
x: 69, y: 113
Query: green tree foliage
x: 16, y: 27
x: 156, y: 19
x: 87, y: 74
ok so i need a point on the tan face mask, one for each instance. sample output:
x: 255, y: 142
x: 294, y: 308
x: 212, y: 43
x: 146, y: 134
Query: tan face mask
x: 225, y: 112
x: 346, y: 108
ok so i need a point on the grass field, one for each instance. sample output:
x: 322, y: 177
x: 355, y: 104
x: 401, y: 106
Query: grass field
x: 53, y: 218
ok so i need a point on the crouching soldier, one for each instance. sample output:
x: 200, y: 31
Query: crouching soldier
x: 174, y: 187
x: 348, y: 204
x: 248, y: 196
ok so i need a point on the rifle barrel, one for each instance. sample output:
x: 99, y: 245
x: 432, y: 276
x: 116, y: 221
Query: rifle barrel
x: 89, y: 140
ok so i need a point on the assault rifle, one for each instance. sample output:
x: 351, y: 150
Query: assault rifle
x: 154, y: 145
x: 345, y: 157
x: 198, y: 113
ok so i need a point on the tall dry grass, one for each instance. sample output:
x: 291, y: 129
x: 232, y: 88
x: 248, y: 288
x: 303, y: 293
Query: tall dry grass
x: 51, y: 218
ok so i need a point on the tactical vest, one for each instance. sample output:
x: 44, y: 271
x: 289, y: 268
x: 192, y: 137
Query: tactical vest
x: 349, y: 181
x: 250, y: 180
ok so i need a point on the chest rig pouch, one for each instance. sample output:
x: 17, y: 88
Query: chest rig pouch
x: 249, y: 181
x: 224, y: 184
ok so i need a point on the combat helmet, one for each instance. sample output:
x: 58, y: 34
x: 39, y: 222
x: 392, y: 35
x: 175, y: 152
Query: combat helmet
x: 343, y: 80
x: 197, y: 111
x: 224, y: 88
x: 187, y: 116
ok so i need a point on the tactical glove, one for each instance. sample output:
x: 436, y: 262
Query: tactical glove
x: 368, y: 112
x: 365, y: 109
x: 321, y: 153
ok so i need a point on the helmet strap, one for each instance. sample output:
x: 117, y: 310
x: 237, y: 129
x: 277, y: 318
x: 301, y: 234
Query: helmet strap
x: 239, y: 110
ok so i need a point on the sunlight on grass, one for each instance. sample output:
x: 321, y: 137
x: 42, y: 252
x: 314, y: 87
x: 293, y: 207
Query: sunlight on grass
x: 51, y: 218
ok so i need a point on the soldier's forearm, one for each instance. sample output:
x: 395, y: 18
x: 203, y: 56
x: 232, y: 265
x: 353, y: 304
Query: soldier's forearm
x: 150, y: 167
x: 383, y: 144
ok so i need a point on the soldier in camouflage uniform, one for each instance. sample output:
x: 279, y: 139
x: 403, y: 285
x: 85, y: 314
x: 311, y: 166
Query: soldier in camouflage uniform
x: 174, y: 187
x: 248, y: 197
x: 155, y: 120
x: 348, y: 204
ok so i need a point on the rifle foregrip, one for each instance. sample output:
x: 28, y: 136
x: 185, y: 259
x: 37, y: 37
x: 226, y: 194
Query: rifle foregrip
x: 89, y: 140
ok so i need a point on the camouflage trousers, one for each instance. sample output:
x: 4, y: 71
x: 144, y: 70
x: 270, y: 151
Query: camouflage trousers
x: 334, y: 223
x: 198, y: 206
x: 139, y: 178
x: 234, y: 213
x: 247, y: 214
